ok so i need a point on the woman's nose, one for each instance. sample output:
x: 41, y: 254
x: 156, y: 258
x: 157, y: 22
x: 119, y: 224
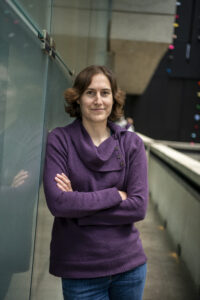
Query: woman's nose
x: 98, y: 98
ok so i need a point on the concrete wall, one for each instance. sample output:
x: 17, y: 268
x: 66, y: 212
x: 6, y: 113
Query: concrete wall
x: 141, y: 32
x: 135, y: 62
x: 174, y: 182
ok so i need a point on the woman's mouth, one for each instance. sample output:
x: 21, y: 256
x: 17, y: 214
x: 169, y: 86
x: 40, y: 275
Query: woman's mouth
x: 97, y: 109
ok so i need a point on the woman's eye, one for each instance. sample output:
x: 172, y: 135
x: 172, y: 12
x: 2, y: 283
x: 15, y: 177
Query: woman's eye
x: 90, y: 93
x: 105, y: 93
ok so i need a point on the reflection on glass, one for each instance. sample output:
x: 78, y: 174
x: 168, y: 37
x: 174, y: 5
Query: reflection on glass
x: 97, y: 43
x: 80, y: 30
x: 57, y: 82
x: 38, y: 11
x: 22, y: 69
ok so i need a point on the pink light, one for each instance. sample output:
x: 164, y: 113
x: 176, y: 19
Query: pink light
x: 171, y: 47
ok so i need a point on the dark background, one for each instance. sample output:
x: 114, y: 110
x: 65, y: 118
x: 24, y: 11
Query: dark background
x: 167, y: 108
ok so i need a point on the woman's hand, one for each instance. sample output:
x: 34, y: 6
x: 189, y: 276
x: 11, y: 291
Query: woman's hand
x: 123, y: 195
x: 63, y: 182
x: 20, y: 178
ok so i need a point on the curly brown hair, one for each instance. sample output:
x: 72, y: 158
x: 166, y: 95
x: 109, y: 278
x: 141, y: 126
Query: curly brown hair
x: 82, y: 81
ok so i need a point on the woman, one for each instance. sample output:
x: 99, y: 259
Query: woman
x: 95, y: 182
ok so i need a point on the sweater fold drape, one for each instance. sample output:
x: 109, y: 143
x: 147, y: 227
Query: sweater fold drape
x: 93, y: 233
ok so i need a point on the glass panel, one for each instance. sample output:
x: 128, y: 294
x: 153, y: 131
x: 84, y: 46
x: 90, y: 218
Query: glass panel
x: 66, y: 29
x: 22, y: 82
x: 80, y: 29
x: 58, y: 81
x: 101, y: 5
x: 45, y: 286
x: 38, y: 11
x: 99, y: 22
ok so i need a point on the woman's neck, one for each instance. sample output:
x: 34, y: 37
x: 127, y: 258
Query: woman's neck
x: 98, y: 132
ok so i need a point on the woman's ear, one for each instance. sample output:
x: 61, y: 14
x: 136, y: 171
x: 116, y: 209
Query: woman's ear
x: 78, y: 101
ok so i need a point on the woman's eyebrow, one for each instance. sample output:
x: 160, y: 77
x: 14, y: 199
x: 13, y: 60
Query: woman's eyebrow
x: 104, y: 89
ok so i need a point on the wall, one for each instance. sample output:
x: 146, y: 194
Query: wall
x: 174, y: 184
x: 140, y: 34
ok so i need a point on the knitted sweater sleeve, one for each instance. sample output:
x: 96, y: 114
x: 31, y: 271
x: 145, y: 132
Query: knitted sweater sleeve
x: 134, y: 208
x: 71, y: 204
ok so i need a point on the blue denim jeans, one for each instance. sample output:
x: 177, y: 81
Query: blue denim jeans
x: 124, y: 286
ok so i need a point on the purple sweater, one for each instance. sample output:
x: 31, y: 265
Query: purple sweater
x: 93, y: 232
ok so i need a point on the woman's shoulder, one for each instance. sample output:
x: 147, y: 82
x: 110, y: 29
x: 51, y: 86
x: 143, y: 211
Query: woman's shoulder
x: 61, y: 131
x: 59, y: 136
x: 132, y: 141
x: 129, y: 139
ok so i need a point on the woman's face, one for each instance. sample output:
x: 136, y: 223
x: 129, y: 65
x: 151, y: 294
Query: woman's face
x: 97, y: 100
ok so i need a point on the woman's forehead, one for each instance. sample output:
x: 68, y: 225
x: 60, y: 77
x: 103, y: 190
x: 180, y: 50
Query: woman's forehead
x: 100, y: 81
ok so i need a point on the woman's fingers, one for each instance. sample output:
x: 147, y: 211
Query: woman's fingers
x: 67, y: 181
x: 64, y: 177
x: 63, y: 181
x: 20, y: 178
x: 61, y: 187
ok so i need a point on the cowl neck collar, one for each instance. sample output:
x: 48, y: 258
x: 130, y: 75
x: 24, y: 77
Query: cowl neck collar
x: 106, y: 157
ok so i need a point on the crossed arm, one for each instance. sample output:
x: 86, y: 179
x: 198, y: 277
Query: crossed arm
x: 64, y: 184
x: 61, y: 199
x: 132, y: 209
x: 104, y: 207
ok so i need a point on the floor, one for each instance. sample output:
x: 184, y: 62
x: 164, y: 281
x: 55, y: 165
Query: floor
x: 167, y: 276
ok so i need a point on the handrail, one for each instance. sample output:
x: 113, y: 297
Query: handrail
x: 186, y: 165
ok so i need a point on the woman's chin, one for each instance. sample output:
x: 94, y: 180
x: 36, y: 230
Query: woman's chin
x: 98, y: 119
